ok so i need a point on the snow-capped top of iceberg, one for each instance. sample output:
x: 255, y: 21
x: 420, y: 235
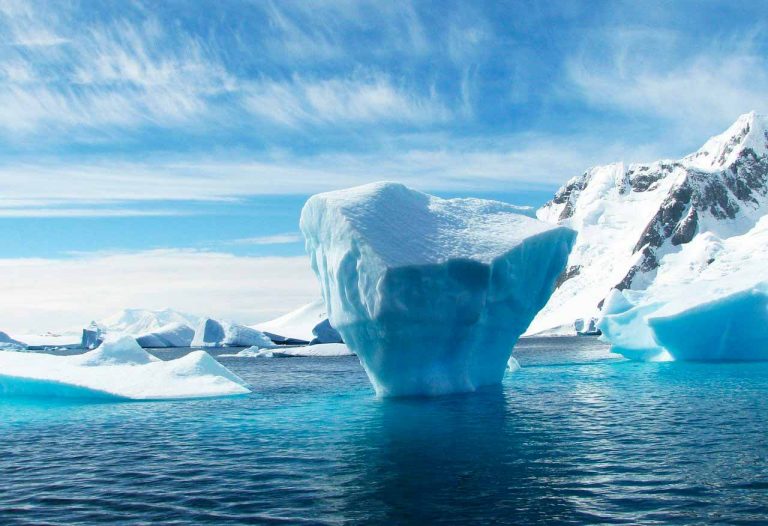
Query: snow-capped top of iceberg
x: 750, y: 131
x: 630, y: 217
x: 405, y: 227
x: 142, y: 321
x: 430, y: 293
x: 119, y: 369
x: 219, y: 333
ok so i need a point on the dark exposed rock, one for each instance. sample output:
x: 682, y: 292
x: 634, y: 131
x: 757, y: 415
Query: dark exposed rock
x: 565, y: 275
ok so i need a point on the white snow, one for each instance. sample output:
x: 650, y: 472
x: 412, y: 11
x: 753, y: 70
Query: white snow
x: 219, y: 333
x: 709, y: 302
x: 118, y: 369
x: 430, y: 293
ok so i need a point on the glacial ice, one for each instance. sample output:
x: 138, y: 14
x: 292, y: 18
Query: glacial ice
x: 118, y: 369
x: 170, y: 335
x: 709, y: 303
x: 430, y: 293
x: 216, y: 333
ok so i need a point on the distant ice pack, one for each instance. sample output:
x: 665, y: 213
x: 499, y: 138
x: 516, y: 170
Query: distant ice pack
x: 118, y: 369
x: 430, y: 293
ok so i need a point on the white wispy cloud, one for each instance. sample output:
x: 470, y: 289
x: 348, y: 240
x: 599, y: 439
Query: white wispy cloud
x: 360, y: 98
x: 276, y: 239
x: 518, y: 162
x: 43, y: 294
x: 647, y: 74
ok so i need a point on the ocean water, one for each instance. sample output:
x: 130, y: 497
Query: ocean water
x: 577, y: 436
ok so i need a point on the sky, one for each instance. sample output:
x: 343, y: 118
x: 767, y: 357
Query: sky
x: 152, y: 154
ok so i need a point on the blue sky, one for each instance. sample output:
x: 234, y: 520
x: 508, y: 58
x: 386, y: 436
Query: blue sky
x: 200, y: 126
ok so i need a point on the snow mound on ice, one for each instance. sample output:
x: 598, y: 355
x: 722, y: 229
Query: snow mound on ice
x: 118, y: 369
x: 430, y: 293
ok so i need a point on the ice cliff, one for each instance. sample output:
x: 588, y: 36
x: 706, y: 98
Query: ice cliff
x: 430, y: 293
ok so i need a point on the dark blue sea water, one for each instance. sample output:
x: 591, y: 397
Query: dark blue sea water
x: 575, y: 437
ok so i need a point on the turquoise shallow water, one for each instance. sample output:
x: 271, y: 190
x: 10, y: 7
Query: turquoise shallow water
x: 575, y: 437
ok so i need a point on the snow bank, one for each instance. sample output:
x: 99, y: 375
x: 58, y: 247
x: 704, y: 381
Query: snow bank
x: 171, y: 335
x: 430, y: 293
x: 216, y: 333
x: 118, y: 369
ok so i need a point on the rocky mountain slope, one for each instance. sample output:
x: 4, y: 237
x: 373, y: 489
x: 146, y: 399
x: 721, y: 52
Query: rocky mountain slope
x: 629, y: 217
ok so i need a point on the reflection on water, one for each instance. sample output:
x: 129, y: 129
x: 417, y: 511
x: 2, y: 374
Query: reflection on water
x: 576, y: 436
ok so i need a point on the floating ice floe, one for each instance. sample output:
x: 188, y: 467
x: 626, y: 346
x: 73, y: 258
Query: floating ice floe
x: 216, y: 333
x: 710, y: 304
x: 118, y: 369
x: 430, y: 293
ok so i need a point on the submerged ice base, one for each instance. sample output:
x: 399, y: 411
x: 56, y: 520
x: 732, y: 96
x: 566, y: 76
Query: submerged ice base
x: 430, y: 293
x: 118, y: 369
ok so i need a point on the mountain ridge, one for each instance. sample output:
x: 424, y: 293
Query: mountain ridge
x: 629, y: 217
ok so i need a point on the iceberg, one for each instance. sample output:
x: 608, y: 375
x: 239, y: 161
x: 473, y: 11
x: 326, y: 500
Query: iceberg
x: 709, y: 304
x: 216, y: 333
x: 170, y: 335
x: 307, y: 324
x: 119, y: 369
x: 430, y: 293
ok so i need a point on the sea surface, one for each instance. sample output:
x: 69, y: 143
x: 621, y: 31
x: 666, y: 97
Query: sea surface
x: 577, y: 436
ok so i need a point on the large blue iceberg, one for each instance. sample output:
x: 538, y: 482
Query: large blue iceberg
x: 430, y: 293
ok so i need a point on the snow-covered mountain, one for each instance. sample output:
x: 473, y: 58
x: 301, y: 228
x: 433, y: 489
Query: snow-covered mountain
x: 630, y: 217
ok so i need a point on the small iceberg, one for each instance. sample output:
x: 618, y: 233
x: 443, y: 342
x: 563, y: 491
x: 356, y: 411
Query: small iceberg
x: 307, y: 324
x: 216, y: 333
x: 118, y: 369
